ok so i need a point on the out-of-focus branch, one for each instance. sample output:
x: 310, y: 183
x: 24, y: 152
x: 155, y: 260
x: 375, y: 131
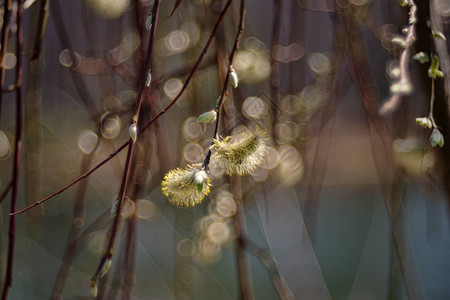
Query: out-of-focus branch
x: 82, y: 90
x: 441, y: 47
x: 107, y: 256
x: 271, y: 265
x: 382, y: 142
x: 245, y: 278
x: 42, y: 24
x: 7, y: 8
x: 17, y: 151
x: 275, y: 66
x: 403, y: 85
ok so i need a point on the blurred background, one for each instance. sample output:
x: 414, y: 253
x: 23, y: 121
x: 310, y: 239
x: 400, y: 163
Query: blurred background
x: 350, y: 203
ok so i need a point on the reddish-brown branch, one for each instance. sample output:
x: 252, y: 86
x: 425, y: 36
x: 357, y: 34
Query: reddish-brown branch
x: 16, y: 166
x: 126, y: 173
x: 4, y: 46
x: 224, y: 92
x: 275, y: 66
x: 82, y: 90
x: 42, y: 24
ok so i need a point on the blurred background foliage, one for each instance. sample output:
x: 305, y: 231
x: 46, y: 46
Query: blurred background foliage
x: 351, y: 202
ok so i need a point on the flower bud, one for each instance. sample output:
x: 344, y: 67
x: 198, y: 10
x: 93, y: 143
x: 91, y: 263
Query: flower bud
x: 233, y: 77
x: 148, y: 22
x: 132, y: 130
x: 436, y: 138
x: 424, y: 122
x: 207, y: 117
x: 106, y: 266
x: 93, y: 288
x: 148, y: 79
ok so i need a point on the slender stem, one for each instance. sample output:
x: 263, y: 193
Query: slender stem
x: 141, y: 130
x: 404, y: 78
x: 410, y: 38
x: 430, y: 116
x: 74, y: 234
x: 275, y: 74
x: 42, y: 24
x: 244, y: 271
x: 110, y: 248
x: 4, y: 46
x: 79, y: 178
x: 82, y: 90
x: 16, y: 167
x: 126, y: 173
x: 271, y: 265
x: 440, y: 45
x: 224, y: 92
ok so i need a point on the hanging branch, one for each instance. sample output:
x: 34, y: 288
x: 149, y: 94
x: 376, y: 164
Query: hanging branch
x: 441, y: 46
x: 4, y: 46
x: 141, y: 130
x: 82, y: 90
x: 42, y: 24
x: 271, y: 265
x: 382, y: 141
x: 224, y: 92
x: 107, y: 256
x: 275, y: 65
x: 403, y: 86
x: 244, y: 271
x: 17, y: 150
x: 74, y: 233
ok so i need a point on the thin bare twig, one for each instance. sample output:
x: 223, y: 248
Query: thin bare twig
x: 224, y: 92
x: 17, y: 150
x: 123, y: 188
x: 74, y: 233
x: 275, y: 66
x: 82, y: 90
x: 271, y: 265
x: 4, y: 46
x: 403, y: 86
x: 244, y: 272
x: 441, y: 47
x: 42, y: 24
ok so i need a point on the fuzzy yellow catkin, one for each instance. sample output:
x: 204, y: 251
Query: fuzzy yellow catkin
x: 186, y: 187
x: 243, y: 153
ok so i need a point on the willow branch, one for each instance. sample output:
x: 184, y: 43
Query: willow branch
x: 126, y: 173
x: 82, y: 90
x: 4, y: 46
x: 404, y: 81
x: 271, y: 265
x: 275, y: 66
x: 17, y: 149
x: 141, y: 130
x: 244, y: 271
x: 224, y: 91
x: 441, y: 46
x: 42, y: 24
